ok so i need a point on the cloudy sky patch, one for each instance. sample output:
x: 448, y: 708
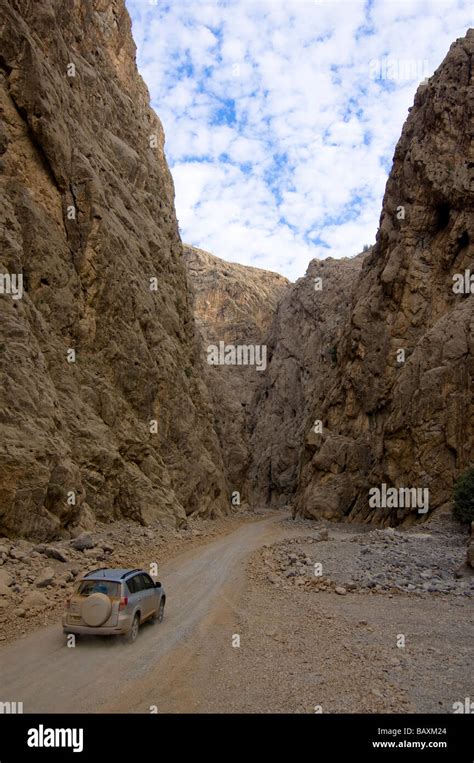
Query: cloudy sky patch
x: 281, y: 118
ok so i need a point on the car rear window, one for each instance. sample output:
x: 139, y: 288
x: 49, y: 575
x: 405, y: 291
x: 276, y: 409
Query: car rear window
x: 87, y: 587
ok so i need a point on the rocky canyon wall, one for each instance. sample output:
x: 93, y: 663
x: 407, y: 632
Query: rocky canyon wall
x: 302, y: 345
x: 103, y: 411
x: 234, y: 305
x: 401, y: 410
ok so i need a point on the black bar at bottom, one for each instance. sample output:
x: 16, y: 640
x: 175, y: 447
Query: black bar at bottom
x: 107, y: 737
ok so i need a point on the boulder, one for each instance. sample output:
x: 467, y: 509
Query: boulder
x: 5, y: 578
x: 52, y: 552
x: 83, y: 541
x: 45, y: 577
x: 34, y: 599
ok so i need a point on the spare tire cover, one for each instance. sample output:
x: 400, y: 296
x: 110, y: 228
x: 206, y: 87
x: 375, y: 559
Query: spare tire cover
x: 96, y: 609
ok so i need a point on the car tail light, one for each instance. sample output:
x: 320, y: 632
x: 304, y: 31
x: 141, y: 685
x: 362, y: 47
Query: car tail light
x: 123, y: 602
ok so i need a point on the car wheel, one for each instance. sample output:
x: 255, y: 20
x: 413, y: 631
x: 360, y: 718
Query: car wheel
x: 160, y: 612
x: 133, y: 632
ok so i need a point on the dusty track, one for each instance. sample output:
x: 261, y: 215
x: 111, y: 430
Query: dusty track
x: 107, y: 674
x: 299, y: 649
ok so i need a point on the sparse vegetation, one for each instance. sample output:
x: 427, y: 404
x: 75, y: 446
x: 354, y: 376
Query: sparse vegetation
x: 464, y: 497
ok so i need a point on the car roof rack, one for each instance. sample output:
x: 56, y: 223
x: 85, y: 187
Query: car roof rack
x: 129, y: 572
x: 92, y: 572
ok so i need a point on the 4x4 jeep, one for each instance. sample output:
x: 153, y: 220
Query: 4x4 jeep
x: 108, y: 602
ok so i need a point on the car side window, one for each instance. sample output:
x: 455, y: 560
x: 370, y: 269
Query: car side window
x: 147, y: 581
x: 134, y: 584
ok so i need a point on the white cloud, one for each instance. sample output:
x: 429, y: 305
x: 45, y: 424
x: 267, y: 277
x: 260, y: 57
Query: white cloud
x: 277, y: 135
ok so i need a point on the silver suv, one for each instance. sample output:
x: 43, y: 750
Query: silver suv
x: 108, y: 602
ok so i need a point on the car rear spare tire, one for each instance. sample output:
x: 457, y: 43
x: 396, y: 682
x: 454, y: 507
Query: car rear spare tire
x: 96, y: 609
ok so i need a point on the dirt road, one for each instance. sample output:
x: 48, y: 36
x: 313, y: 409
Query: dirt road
x: 109, y: 675
x: 248, y: 629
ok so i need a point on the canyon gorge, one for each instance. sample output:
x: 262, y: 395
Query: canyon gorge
x: 109, y: 408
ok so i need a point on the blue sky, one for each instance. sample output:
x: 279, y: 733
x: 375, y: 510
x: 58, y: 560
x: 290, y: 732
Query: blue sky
x: 281, y: 118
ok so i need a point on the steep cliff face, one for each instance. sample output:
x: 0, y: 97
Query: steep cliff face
x: 303, y: 350
x: 103, y: 409
x: 401, y: 408
x: 234, y: 305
